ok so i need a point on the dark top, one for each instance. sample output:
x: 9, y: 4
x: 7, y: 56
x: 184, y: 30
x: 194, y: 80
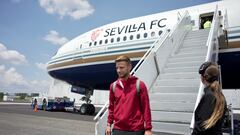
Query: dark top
x: 203, y: 112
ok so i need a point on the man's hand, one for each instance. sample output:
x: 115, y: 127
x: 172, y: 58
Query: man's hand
x: 148, y: 132
x: 108, y: 130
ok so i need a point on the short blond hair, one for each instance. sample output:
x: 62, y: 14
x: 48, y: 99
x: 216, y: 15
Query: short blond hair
x: 123, y: 58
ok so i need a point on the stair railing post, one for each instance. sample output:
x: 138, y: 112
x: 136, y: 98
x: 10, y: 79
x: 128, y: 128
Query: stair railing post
x: 212, y: 44
x: 156, y: 63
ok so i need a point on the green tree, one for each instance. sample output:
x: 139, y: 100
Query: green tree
x: 21, y: 95
x: 34, y: 94
x: 1, y: 96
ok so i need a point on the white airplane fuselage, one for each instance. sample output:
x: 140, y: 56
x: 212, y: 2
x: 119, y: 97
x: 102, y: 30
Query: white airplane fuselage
x: 88, y: 60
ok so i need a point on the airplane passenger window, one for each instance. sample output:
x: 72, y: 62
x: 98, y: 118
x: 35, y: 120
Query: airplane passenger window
x: 153, y: 34
x: 145, y: 35
x: 112, y: 40
x: 106, y: 41
x: 90, y: 43
x: 160, y: 32
x: 131, y: 37
x: 100, y: 42
x: 124, y: 38
x: 95, y: 43
x: 138, y: 36
x: 118, y: 39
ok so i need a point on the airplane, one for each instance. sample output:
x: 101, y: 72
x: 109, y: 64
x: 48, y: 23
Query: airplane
x: 87, y: 61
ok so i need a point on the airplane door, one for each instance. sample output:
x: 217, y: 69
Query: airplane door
x: 204, y: 17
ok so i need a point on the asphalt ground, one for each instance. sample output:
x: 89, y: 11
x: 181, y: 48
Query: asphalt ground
x: 22, y: 120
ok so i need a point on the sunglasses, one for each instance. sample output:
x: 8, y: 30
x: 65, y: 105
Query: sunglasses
x: 203, y: 67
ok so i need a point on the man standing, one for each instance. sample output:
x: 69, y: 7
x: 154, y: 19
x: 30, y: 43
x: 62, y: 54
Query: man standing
x: 129, y: 108
x: 207, y: 24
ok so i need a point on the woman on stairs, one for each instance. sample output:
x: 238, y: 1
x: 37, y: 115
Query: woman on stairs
x: 211, y: 109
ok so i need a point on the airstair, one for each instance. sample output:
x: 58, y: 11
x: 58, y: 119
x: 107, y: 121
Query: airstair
x: 175, y: 90
x: 170, y: 70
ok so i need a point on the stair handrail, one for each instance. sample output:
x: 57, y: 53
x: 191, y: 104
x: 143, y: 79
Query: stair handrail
x: 175, y: 39
x: 212, y: 55
x: 186, y: 13
x: 101, y: 111
x: 151, y: 50
x: 225, y: 22
x: 160, y: 40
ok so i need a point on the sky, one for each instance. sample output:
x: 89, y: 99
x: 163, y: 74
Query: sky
x: 31, y: 32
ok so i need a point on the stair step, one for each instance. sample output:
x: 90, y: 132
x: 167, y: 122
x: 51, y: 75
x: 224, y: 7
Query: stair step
x: 175, y: 89
x: 186, y: 75
x: 184, y: 64
x: 174, y: 128
x: 202, y: 31
x: 182, y: 59
x: 199, y: 31
x: 194, y: 42
x: 197, y: 34
x: 193, y: 49
x: 161, y: 133
x: 181, y: 69
x: 189, y: 36
x: 174, y: 97
x: 195, y: 39
x: 189, y: 54
x: 194, y: 46
x: 189, y: 45
x: 172, y: 106
x: 177, y: 82
x: 181, y: 117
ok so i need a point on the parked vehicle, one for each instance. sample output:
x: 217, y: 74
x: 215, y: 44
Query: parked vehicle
x: 52, y: 104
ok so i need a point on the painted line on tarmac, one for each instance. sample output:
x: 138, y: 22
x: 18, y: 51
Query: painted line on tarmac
x: 14, y: 103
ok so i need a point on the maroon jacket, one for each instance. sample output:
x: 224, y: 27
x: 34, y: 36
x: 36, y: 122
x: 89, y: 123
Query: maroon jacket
x: 128, y: 110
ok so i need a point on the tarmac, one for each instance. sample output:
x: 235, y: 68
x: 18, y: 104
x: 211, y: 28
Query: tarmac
x: 22, y: 120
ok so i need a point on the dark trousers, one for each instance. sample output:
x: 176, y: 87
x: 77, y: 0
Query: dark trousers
x: 120, y: 132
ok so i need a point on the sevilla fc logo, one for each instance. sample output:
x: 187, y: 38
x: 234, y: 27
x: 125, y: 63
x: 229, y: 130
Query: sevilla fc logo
x: 95, y: 34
